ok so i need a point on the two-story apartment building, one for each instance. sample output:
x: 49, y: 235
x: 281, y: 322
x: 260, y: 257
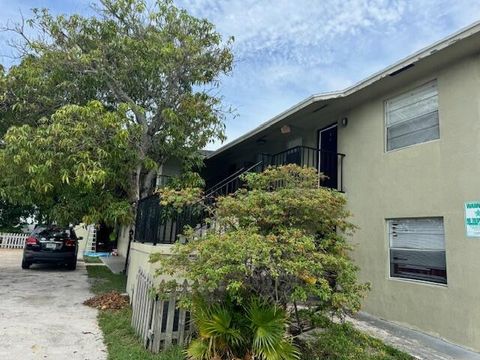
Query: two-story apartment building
x: 404, y: 147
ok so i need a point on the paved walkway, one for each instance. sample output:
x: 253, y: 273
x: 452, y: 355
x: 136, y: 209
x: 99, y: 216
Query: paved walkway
x: 419, y: 345
x: 116, y: 264
x: 42, y: 315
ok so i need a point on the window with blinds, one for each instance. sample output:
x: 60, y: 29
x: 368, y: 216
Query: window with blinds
x: 412, y: 118
x: 417, y: 249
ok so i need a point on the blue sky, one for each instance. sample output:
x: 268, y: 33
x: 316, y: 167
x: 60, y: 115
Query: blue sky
x: 287, y: 50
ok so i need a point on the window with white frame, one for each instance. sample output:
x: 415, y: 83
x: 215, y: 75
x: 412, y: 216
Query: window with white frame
x: 412, y: 118
x: 417, y: 249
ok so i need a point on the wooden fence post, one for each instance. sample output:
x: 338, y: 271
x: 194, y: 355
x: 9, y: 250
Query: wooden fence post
x: 156, y: 319
x: 12, y: 240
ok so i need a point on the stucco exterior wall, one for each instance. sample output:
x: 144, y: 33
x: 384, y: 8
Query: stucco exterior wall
x: 81, y: 231
x: 139, y: 258
x: 430, y: 179
x: 171, y: 168
x: 122, y: 241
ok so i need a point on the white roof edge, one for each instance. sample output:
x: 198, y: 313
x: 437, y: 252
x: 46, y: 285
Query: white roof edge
x: 421, y: 54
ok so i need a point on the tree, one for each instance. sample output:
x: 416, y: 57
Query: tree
x: 281, y: 240
x: 12, y: 215
x: 75, y: 164
x: 157, y: 66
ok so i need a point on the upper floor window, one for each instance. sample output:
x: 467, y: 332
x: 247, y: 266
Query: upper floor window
x: 412, y: 118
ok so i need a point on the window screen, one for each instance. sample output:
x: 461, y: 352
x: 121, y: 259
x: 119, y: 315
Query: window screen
x: 417, y: 249
x: 412, y: 118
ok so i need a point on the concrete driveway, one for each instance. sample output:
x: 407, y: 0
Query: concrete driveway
x: 42, y: 315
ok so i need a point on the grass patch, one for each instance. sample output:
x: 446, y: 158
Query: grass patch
x: 344, y: 342
x: 92, y: 259
x: 103, y: 280
x: 333, y: 342
x: 122, y: 342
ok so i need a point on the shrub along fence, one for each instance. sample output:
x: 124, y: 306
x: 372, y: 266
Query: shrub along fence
x: 156, y: 319
x: 12, y: 240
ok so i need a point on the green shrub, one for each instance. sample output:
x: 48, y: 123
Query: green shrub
x: 278, y: 243
x: 282, y: 241
x: 344, y: 342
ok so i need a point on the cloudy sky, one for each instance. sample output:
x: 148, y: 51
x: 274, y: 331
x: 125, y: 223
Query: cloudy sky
x: 287, y: 50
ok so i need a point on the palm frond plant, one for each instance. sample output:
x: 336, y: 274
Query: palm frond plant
x: 220, y: 334
x: 228, y: 331
x: 268, y: 324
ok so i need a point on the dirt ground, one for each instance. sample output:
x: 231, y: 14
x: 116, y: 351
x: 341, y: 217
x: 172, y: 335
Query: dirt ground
x: 42, y: 315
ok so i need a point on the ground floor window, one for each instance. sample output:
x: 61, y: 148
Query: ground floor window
x: 417, y: 249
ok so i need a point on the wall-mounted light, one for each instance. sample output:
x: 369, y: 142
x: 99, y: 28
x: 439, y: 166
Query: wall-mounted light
x: 344, y: 121
x: 285, y: 129
x: 262, y: 140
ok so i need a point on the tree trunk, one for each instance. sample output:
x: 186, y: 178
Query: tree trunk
x: 147, y: 182
x: 137, y: 184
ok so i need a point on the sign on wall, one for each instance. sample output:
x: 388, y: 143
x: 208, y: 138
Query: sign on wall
x: 472, y: 218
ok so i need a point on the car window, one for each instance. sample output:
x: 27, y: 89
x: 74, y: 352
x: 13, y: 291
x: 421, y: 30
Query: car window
x: 54, y: 232
x: 38, y: 230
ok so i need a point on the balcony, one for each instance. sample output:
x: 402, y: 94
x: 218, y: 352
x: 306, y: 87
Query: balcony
x: 328, y: 163
x: 155, y: 224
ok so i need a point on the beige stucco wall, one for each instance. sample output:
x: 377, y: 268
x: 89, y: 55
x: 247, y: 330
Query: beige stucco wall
x: 122, y: 241
x: 171, y: 168
x: 139, y: 259
x: 430, y: 179
x: 81, y: 231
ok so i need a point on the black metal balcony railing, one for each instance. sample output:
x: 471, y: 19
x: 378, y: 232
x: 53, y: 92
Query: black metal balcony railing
x: 156, y: 224
x: 328, y: 163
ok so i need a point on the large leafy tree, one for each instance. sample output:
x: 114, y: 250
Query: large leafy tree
x: 280, y: 239
x: 75, y: 164
x: 154, y: 67
x: 11, y: 215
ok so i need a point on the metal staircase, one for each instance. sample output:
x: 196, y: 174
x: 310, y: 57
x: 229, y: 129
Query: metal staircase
x: 231, y: 183
x: 153, y: 225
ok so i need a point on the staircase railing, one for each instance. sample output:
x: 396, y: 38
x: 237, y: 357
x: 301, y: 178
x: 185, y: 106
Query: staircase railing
x: 157, y: 224
x: 230, y: 184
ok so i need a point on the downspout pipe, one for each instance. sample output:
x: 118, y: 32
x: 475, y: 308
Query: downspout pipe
x: 130, y: 239
x: 131, y: 234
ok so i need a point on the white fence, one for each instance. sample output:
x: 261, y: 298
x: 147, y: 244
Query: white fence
x: 156, y: 319
x: 12, y: 240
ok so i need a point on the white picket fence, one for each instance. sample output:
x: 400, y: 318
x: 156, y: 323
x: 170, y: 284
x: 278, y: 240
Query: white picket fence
x: 12, y: 240
x: 156, y: 319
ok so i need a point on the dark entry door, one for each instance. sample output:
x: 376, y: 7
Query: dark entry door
x: 328, y: 162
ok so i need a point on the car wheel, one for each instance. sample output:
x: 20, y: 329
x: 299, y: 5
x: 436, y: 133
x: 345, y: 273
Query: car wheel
x: 72, y: 265
x: 25, y: 264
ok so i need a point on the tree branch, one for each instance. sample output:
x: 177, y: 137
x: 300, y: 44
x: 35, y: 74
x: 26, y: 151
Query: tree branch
x: 123, y: 96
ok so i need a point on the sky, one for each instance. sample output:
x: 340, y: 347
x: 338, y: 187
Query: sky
x: 287, y: 50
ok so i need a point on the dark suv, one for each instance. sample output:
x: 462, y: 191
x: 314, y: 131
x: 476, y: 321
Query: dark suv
x: 51, y: 244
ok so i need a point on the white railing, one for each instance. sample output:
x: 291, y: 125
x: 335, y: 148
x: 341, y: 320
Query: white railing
x: 12, y: 240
